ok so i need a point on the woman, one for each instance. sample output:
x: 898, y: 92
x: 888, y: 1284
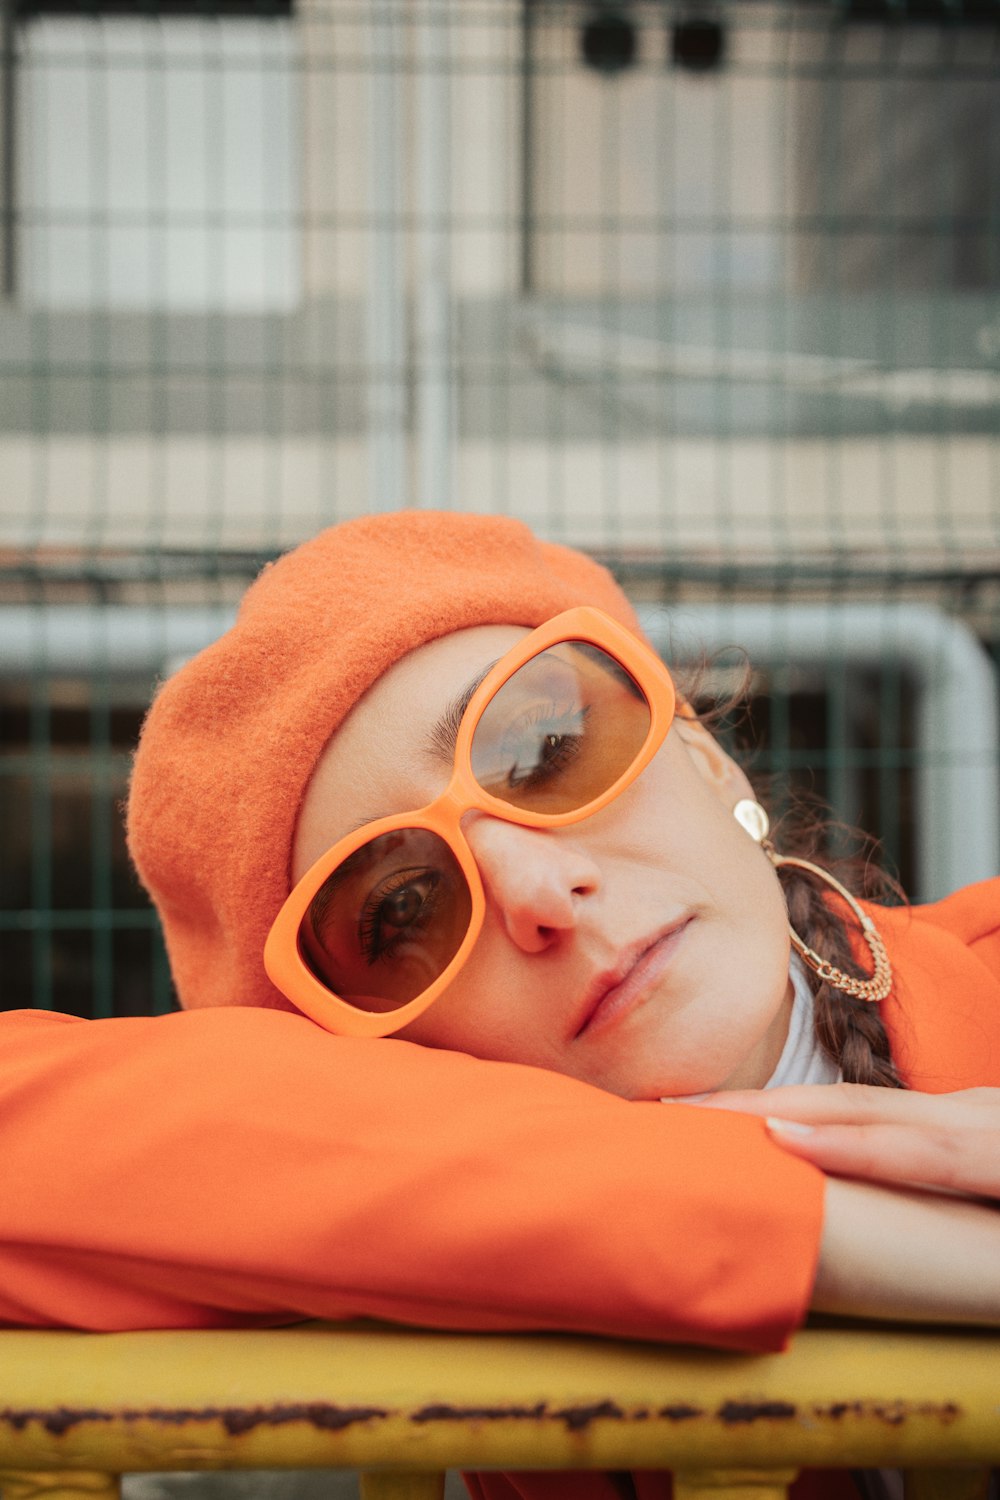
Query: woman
x: 632, y: 935
x: 337, y: 699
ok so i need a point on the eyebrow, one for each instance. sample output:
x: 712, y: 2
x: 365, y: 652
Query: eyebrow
x: 440, y: 739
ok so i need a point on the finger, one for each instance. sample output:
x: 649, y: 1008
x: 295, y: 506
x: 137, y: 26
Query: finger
x: 752, y: 1101
x: 812, y: 1103
x: 964, y: 1161
x: 862, y: 1104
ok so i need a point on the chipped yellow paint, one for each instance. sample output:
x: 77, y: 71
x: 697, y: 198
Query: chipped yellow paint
x: 732, y: 1484
x: 391, y: 1486
x: 78, y: 1409
x: 70, y: 1484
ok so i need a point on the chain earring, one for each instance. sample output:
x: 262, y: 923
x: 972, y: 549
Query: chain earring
x: 752, y: 817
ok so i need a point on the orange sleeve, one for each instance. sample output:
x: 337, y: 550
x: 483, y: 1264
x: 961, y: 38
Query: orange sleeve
x: 971, y: 914
x: 239, y: 1166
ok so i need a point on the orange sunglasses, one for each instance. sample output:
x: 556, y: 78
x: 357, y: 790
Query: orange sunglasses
x: 384, y: 920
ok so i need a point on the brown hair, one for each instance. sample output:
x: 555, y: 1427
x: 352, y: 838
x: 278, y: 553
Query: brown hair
x: 850, y: 1031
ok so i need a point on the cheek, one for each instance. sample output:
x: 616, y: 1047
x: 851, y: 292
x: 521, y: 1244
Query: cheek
x: 686, y: 822
x: 765, y: 920
x: 493, y: 1009
x: 749, y: 887
x: 466, y: 1014
x: 756, y: 952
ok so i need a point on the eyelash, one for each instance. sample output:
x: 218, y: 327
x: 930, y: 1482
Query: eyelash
x: 571, y: 737
x: 368, y: 922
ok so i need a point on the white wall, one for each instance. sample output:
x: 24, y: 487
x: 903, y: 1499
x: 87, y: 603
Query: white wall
x: 271, y: 126
x: 160, y: 164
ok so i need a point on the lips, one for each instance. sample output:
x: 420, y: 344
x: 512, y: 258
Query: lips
x: 616, y: 991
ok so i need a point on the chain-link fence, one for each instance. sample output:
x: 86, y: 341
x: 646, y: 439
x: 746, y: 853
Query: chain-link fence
x: 710, y: 289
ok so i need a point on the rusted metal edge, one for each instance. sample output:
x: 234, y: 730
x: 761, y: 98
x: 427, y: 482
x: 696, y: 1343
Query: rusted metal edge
x: 328, y: 1417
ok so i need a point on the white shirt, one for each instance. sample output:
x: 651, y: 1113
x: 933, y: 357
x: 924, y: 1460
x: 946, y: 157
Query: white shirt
x: 802, y: 1058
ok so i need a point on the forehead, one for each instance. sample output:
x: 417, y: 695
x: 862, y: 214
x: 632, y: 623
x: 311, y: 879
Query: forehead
x: 378, y: 762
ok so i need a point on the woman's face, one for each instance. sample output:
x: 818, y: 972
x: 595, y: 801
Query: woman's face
x: 644, y: 949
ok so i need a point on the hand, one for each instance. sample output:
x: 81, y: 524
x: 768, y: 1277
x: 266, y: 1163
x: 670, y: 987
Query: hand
x: 949, y: 1141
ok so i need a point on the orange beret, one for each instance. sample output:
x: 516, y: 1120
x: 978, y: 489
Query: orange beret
x: 231, y: 741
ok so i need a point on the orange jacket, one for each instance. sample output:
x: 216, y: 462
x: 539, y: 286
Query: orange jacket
x: 240, y: 1166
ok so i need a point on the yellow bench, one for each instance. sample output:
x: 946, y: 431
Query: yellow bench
x: 79, y: 1410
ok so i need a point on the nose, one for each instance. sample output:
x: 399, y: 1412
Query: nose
x: 534, y: 878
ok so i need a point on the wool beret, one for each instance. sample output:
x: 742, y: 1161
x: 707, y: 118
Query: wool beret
x: 232, y: 739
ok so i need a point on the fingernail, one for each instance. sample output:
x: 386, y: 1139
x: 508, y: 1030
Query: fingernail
x: 683, y: 1098
x: 788, y: 1127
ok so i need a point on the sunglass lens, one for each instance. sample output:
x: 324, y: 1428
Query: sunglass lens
x: 389, y: 920
x: 561, y: 730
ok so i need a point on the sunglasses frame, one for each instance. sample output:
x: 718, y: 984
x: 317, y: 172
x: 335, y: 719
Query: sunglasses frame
x: 284, y: 961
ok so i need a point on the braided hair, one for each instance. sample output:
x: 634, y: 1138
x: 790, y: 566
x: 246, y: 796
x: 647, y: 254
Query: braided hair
x: 850, y: 1031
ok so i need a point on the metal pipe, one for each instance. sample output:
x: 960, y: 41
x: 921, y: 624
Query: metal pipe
x: 527, y: 149
x: 957, y: 738
x: 118, y: 640
x: 409, y: 1400
x: 385, y: 310
x: 433, y: 395
x: 8, y: 160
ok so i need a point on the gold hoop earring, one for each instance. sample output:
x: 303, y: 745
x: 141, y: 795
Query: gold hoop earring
x: 752, y: 817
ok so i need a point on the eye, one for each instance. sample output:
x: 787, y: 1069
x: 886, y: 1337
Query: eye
x: 543, y: 744
x: 399, y: 908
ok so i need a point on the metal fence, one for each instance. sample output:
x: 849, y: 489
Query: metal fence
x: 710, y: 289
